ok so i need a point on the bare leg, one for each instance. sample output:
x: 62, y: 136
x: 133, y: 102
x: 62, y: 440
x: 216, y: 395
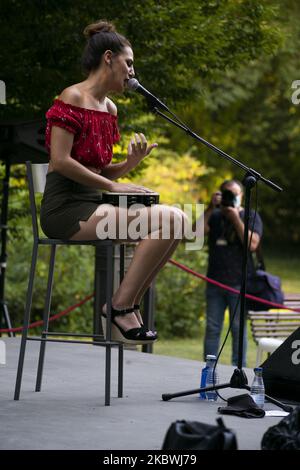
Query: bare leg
x: 150, y: 254
x: 150, y: 279
x: 152, y: 276
x: 147, y: 258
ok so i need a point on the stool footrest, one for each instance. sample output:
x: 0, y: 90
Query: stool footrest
x: 92, y: 343
x: 79, y: 335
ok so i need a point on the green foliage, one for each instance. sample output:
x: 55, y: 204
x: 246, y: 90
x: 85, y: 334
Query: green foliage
x: 175, y: 177
x: 177, y: 44
x: 249, y: 114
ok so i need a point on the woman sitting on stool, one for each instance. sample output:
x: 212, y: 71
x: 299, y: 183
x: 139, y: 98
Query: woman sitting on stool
x: 81, y: 130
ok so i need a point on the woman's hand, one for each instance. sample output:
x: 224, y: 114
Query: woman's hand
x: 138, y: 149
x: 129, y: 188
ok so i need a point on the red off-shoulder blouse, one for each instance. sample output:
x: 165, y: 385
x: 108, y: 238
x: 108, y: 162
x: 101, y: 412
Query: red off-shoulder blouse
x: 94, y: 131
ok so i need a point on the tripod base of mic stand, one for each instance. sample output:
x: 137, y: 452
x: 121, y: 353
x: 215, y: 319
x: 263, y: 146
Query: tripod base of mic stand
x: 238, y: 380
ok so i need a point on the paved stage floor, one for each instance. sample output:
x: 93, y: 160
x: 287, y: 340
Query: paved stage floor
x: 69, y: 412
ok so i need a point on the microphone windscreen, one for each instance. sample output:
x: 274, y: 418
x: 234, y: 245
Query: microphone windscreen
x: 132, y: 84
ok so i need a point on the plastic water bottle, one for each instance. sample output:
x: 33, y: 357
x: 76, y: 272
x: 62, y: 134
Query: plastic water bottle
x: 202, y: 395
x: 257, y: 390
x: 209, y: 378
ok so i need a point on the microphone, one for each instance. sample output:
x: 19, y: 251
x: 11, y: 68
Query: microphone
x: 134, y: 85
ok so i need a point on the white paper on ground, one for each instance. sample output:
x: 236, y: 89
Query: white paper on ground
x: 276, y: 413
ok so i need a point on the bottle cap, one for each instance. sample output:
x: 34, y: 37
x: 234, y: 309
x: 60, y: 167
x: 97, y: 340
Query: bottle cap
x: 210, y: 356
x: 258, y: 369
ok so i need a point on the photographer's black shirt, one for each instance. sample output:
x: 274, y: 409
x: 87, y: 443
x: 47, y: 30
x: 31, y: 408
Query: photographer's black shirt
x: 225, y: 248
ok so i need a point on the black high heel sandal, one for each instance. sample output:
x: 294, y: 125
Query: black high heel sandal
x: 132, y: 336
x: 154, y: 333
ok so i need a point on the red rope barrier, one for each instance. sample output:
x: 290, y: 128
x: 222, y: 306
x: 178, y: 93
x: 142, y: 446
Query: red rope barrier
x: 178, y: 265
x: 54, y: 317
x: 228, y: 288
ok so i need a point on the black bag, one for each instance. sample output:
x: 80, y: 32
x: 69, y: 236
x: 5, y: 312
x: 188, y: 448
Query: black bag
x: 192, y: 435
x: 266, y: 286
x: 285, y: 435
x: 263, y: 284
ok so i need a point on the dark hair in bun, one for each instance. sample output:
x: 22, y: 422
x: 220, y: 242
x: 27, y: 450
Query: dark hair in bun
x: 101, y: 36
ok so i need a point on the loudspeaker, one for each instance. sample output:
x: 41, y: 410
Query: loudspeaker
x: 281, y: 371
x: 23, y: 140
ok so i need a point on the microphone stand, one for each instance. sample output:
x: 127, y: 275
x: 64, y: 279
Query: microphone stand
x: 239, y: 379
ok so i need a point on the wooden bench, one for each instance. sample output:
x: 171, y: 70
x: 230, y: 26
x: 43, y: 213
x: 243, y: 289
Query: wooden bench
x: 271, y: 328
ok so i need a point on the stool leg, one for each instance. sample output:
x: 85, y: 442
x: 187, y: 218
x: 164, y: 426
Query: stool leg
x: 109, y: 293
x: 120, y: 370
x: 107, y: 373
x: 149, y: 314
x: 122, y: 262
x: 121, y: 346
x: 45, y: 319
x: 26, y: 321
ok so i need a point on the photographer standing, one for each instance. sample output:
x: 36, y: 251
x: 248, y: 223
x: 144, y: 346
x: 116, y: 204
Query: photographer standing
x: 223, y: 223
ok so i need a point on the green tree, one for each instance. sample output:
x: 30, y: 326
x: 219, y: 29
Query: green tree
x: 249, y: 113
x: 177, y: 44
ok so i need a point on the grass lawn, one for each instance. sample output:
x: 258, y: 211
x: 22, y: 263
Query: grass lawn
x: 192, y: 348
x: 284, y: 263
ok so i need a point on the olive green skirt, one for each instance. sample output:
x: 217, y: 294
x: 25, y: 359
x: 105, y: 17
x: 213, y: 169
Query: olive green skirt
x: 64, y: 204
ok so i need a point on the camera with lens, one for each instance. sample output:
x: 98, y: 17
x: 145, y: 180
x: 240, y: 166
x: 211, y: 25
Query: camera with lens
x: 228, y: 198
